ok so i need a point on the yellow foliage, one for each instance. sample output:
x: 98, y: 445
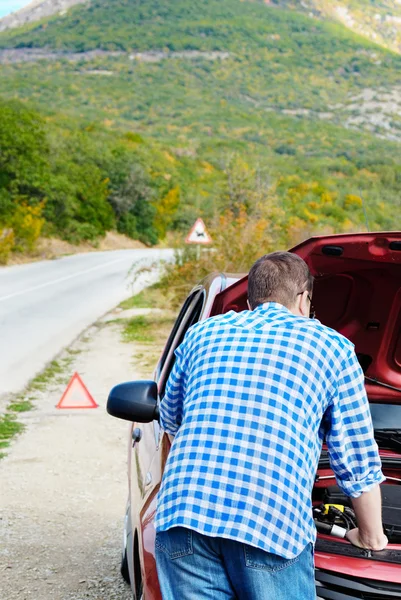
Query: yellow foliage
x: 349, y: 227
x: 208, y: 167
x: 165, y: 210
x: 369, y: 175
x: 27, y: 223
x: 6, y: 244
x: 327, y: 198
x: 310, y: 216
x: 169, y: 157
x: 298, y: 230
x: 299, y: 191
x: 352, y: 201
x: 290, y: 178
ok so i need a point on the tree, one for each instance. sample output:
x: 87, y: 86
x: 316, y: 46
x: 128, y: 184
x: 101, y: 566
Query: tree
x: 24, y: 157
x: 132, y: 203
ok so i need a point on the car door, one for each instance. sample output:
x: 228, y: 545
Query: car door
x: 190, y: 313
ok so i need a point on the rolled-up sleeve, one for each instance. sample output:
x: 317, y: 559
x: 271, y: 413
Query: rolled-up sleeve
x: 353, y: 451
x: 171, y: 407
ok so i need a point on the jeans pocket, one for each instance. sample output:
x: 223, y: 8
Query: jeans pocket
x: 175, y: 542
x: 255, y: 558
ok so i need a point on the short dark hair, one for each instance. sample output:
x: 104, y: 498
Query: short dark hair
x: 278, y: 277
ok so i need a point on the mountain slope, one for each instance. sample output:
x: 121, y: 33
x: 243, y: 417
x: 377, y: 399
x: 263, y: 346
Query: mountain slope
x: 306, y: 102
x: 378, y: 20
x: 270, y: 60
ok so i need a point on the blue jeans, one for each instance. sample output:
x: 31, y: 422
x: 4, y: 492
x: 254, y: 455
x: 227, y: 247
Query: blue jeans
x: 191, y: 566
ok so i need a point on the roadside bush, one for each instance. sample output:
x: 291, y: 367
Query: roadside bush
x: 27, y: 223
x: 6, y: 245
x: 82, y: 232
x: 166, y: 209
x: 131, y: 198
x: 352, y: 201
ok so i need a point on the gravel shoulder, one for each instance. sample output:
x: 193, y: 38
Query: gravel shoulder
x: 63, y: 484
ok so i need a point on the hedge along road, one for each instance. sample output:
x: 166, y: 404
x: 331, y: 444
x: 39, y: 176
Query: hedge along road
x: 45, y: 305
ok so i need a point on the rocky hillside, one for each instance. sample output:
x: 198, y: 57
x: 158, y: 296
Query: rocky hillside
x: 38, y: 9
x: 378, y: 20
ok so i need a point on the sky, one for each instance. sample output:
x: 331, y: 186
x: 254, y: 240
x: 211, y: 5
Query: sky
x: 8, y: 6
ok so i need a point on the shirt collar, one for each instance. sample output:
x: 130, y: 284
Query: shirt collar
x: 272, y: 306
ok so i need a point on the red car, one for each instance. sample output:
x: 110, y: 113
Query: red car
x: 358, y: 293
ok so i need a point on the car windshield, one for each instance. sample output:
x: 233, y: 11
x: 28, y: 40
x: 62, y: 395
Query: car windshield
x: 387, y: 425
x: 386, y: 416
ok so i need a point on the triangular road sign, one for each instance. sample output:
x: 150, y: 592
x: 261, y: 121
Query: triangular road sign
x: 198, y: 234
x: 76, y: 395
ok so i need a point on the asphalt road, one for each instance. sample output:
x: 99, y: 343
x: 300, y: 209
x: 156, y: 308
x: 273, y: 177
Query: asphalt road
x: 45, y: 305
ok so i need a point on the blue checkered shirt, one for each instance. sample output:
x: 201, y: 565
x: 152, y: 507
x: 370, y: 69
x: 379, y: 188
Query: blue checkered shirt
x: 250, y: 399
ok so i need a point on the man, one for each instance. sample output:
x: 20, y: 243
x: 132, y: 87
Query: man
x: 250, y: 399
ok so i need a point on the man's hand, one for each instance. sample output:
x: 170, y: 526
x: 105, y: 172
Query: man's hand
x: 355, y: 537
x: 368, y: 512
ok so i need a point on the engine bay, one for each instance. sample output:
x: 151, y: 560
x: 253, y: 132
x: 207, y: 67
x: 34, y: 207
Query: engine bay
x: 335, y: 516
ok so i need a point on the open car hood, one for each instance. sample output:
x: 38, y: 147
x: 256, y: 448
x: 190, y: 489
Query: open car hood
x: 358, y: 293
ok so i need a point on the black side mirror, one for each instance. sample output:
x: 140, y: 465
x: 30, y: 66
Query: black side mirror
x: 134, y: 401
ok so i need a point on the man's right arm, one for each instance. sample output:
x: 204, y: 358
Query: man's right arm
x: 368, y: 510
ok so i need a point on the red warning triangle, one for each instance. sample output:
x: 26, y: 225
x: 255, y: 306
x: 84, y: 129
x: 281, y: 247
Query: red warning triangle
x: 76, y: 395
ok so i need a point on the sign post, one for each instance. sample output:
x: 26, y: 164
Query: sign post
x: 198, y: 235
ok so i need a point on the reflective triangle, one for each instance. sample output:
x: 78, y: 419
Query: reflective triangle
x: 76, y: 395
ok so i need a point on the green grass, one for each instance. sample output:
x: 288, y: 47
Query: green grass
x: 146, y: 329
x: 20, y: 406
x: 73, y: 352
x: 142, y: 300
x: 9, y: 427
x: 150, y: 297
x: 148, y: 332
x: 55, y: 373
x: 139, y: 329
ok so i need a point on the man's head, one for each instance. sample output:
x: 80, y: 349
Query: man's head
x: 281, y: 277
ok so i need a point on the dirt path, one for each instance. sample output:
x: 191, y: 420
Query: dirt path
x: 63, y: 487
